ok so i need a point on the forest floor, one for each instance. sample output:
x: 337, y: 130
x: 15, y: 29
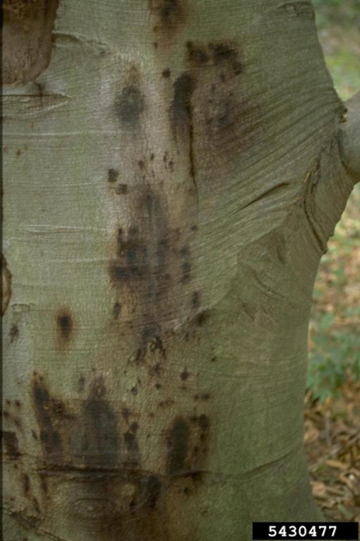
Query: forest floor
x: 332, y: 403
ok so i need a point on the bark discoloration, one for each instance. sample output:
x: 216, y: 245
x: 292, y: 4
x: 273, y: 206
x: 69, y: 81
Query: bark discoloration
x: 49, y: 415
x: 226, y: 122
x: 96, y: 468
x: 11, y: 443
x: 132, y: 262
x: 14, y: 333
x: 27, y: 37
x: 181, y: 105
x: 129, y: 106
x: 152, y: 490
x: 146, y: 269
x: 113, y: 175
x: 196, y: 300
x: 6, y: 285
x: 117, y: 310
x: 65, y: 327
x: 218, y: 53
x: 121, y: 189
x: 201, y: 318
x: 97, y: 439
x: 178, y: 446
x: 170, y: 15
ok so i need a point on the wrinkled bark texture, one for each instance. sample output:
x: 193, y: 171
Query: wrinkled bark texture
x: 173, y: 172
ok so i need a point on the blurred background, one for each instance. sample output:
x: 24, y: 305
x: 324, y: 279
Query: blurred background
x: 332, y: 402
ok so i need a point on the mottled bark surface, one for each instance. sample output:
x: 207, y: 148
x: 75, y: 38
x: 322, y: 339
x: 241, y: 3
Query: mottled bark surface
x: 172, y: 175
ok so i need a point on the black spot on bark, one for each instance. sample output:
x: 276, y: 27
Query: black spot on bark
x: 222, y: 52
x: 26, y: 484
x: 215, y: 54
x: 195, y: 299
x: 132, y: 447
x: 134, y: 426
x: 130, y: 105
x: 126, y: 414
x: 81, y: 384
x: 132, y: 257
x: 178, y: 444
x: 14, y: 333
x: 121, y: 189
x: 43, y: 484
x: 65, y: 326
x: 156, y: 344
x: 204, y: 422
x: 202, y: 318
x: 171, y: 15
x: 97, y: 441
x: 198, y: 55
x: 116, y: 310
x: 184, y: 375
x: 181, y: 105
x: 11, y: 443
x: 47, y: 419
x: 152, y: 490
x: 166, y: 73
x: 113, y: 175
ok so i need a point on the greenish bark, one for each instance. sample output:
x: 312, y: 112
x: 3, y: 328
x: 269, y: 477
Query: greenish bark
x: 171, y: 180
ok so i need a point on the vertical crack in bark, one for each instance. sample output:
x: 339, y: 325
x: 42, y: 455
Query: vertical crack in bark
x: 192, y: 152
x: 182, y: 120
x: 310, y: 182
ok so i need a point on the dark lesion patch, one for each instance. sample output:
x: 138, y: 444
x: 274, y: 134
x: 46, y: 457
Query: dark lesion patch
x: 130, y: 105
x: 170, y: 16
x: 132, y: 257
x: 184, y: 87
x: 152, y: 488
x: 11, y: 443
x: 216, y: 54
x: 95, y: 436
x: 202, y: 318
x: 178, y: 446
x: 48, y: 418
x: 65, y: 326
x: 117, y: 310
x: 196, y: 300
x: 113, y: 175
x: 6, y: 285
x: 14, y: 333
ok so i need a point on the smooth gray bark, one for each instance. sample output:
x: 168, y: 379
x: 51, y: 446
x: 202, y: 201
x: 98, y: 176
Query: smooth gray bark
x: 171, y: 181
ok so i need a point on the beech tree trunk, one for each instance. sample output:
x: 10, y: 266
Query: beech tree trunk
x: 173, y: 172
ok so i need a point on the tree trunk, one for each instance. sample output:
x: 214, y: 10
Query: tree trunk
x: 173, y: 171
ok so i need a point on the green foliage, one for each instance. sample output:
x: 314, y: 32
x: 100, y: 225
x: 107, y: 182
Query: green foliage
x: 335, y: 359
x: 335, y: 325
x: 340, y: 12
